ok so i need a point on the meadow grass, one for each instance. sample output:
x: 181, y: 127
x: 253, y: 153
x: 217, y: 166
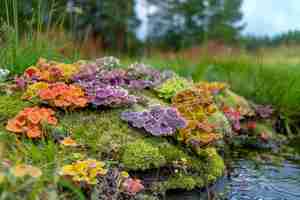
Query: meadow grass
x: 18, y: 56
x: 20, y: 49
x: 274, y: 84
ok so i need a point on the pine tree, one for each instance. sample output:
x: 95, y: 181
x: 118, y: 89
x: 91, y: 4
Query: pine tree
x: 114, y: 21
x: 176, y: 23
x: 223, y: 19
x: 182, y: 23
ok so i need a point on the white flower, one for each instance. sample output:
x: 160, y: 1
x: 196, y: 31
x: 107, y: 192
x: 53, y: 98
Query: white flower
x: 4, y: 74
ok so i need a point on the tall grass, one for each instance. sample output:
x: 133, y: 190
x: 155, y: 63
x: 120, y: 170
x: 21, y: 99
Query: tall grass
x: 275, y: 84
x: 18, y: 51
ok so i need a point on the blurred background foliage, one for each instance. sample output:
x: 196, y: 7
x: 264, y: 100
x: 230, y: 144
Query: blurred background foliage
x: 112, y: 25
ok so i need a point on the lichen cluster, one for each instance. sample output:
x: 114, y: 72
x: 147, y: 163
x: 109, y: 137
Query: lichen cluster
x: 197, y: 105
x: 50, y: 71
x: 84, y: 171
x: 158, y: 121
x: 172, y: 86
x: 30, y: 120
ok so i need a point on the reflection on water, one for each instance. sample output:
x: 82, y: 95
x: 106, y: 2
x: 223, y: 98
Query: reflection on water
x: 251, y: 182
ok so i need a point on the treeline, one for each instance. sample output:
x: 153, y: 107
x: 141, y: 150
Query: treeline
x: 172, y: 24
x: 113, y: 24
x: 256, y: 42
x: 179, y: 24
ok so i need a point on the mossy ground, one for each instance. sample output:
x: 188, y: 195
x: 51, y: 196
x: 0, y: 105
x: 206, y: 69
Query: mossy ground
x: 10, y: 105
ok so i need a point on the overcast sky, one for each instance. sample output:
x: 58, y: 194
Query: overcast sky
x: 271, y: 16
x: 263, y: 17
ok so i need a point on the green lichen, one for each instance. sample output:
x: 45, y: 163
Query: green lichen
x: 171, y: 86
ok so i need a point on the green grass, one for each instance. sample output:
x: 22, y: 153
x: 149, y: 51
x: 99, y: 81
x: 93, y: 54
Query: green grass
x: 20, y: 48
x: 275, y: 84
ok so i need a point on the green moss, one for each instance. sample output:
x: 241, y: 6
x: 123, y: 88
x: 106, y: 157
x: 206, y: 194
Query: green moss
x: 215, y: 165
x: 151, y: 153
x: 170, y: 152
x: 103, y: 131
x: 182, y: 182
x: 163, y: 152
x: 141, y: 155
x: 210, y: 163
x: 172, y: 86
x: 205, y: 169
x: 264, y: 128
x: 11, y: 105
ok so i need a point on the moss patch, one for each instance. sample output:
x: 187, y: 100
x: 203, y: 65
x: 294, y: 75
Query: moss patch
x: 202, y: 171
x: 191, y: 171
x: 102, y: 130
x: 141, y: 155
x: 11, y: 105
x: 184, y: 182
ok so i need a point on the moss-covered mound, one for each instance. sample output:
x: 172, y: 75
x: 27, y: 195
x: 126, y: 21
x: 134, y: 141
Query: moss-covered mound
x: 139, y: 158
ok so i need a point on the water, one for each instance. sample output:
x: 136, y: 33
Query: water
x: 250, y: 181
